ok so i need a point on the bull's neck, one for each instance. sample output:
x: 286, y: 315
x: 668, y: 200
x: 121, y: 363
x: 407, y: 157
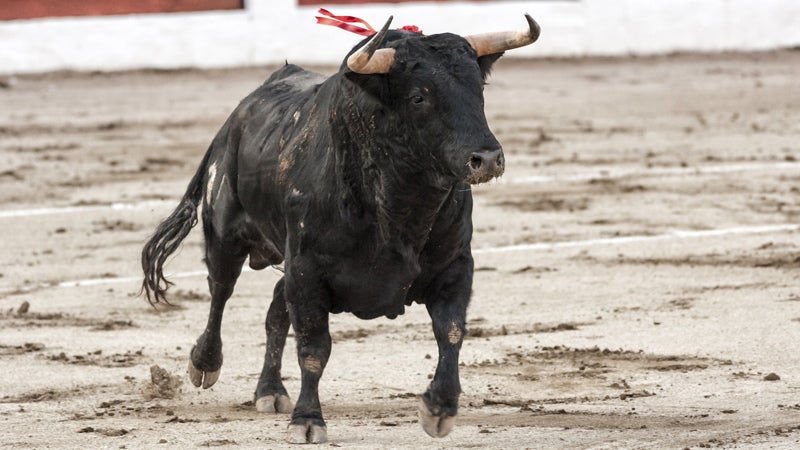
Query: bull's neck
x: 406, y: 210
x: 403, y: 202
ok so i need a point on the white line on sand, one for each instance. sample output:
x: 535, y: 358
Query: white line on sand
x: 610, y: 173
x: 85, y: 208
x: 675, y: 234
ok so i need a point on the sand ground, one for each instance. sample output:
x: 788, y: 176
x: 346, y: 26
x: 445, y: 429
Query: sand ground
x: 637, y: 284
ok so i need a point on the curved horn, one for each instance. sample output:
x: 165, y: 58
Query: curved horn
x: 498, y: 42
x: 369, y: 59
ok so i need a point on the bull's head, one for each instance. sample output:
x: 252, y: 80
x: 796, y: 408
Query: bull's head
x: 430, y: 91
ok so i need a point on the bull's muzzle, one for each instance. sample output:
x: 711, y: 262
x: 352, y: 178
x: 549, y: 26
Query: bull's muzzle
x: 485, y: 165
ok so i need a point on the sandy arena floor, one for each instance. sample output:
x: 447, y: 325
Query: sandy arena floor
x: 638, y: 280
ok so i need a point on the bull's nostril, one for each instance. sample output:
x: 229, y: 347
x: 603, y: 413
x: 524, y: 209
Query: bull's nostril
x: 485, y: 165
x: 475, y: 162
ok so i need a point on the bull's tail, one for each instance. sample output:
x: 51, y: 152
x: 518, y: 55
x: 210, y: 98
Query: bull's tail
x: 168, y: 237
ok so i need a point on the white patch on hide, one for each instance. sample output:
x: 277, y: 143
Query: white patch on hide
x: 212, y: 174
x: 312, y: 365
x: 220, y: 188
x: 296, y: 117
x: 454, y: 335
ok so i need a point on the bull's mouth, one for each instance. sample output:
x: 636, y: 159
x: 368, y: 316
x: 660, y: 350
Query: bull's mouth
x: 485, y: 165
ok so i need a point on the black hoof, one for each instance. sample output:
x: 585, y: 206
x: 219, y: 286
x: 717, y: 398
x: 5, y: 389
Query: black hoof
x: 436, y: 425
x: 201, y: 378
x: 309, y: 432
x: 275, y: 403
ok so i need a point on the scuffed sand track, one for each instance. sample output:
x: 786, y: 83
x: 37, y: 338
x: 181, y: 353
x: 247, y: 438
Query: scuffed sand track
x: 623, y: 315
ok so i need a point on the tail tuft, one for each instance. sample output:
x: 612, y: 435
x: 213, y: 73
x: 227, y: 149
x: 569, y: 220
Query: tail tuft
x: 166, y: 239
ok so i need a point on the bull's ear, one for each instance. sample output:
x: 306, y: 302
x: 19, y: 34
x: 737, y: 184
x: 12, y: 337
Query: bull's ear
x: 372, y: 85
x: 485, y: 63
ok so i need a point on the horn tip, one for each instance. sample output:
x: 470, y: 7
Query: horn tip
x: 535, y: 29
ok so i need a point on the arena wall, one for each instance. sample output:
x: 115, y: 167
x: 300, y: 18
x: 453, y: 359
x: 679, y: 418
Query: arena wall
x: 272, y: 31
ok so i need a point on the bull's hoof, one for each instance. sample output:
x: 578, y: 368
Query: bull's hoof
x: 435, y: 425
x: 307, y: 433
x: 201, y: 378
x: 275, y: 403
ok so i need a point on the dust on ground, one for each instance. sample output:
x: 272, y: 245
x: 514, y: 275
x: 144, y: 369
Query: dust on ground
x: 627, y: 322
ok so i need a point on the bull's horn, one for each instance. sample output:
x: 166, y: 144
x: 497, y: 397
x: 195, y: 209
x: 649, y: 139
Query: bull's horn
x: 369, y: 59
x: 489, y: 43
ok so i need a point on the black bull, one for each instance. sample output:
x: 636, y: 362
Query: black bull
x: 360, y: 184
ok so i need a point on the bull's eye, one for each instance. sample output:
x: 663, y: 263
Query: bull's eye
x: 417, y: 99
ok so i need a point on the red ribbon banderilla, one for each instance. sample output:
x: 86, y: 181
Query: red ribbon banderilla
x: 346, y: 23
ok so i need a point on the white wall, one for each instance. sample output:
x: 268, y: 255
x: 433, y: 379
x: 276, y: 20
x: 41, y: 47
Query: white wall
x: 271, y: 31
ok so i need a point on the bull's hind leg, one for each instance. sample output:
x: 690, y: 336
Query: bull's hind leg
x: 271, y: 395
x: 447, y: 306
x: 224, y: 261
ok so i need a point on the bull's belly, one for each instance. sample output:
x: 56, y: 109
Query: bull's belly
x: 369, y: 298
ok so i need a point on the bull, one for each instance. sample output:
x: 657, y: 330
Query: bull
x: 359, y: 183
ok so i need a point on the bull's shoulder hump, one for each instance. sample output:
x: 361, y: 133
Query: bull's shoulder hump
x: 295, y: 77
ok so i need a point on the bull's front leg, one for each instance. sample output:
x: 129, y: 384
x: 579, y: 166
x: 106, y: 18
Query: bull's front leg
x: 447, y: 306
x: 308, y: 312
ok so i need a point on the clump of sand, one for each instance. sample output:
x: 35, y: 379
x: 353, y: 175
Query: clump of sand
x: 162, y: 384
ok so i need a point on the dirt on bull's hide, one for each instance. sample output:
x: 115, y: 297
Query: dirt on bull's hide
x: 598, y: 318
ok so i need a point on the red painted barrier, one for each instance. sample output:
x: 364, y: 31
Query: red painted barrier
x: 30, y: 9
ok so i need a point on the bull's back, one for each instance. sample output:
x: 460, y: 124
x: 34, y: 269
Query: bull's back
x: 264, y: 130
x: 295, y: 78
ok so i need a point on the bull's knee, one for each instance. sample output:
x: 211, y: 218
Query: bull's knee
x: 313, y: 365
x: 456, y: 334
x: 220, y: 289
